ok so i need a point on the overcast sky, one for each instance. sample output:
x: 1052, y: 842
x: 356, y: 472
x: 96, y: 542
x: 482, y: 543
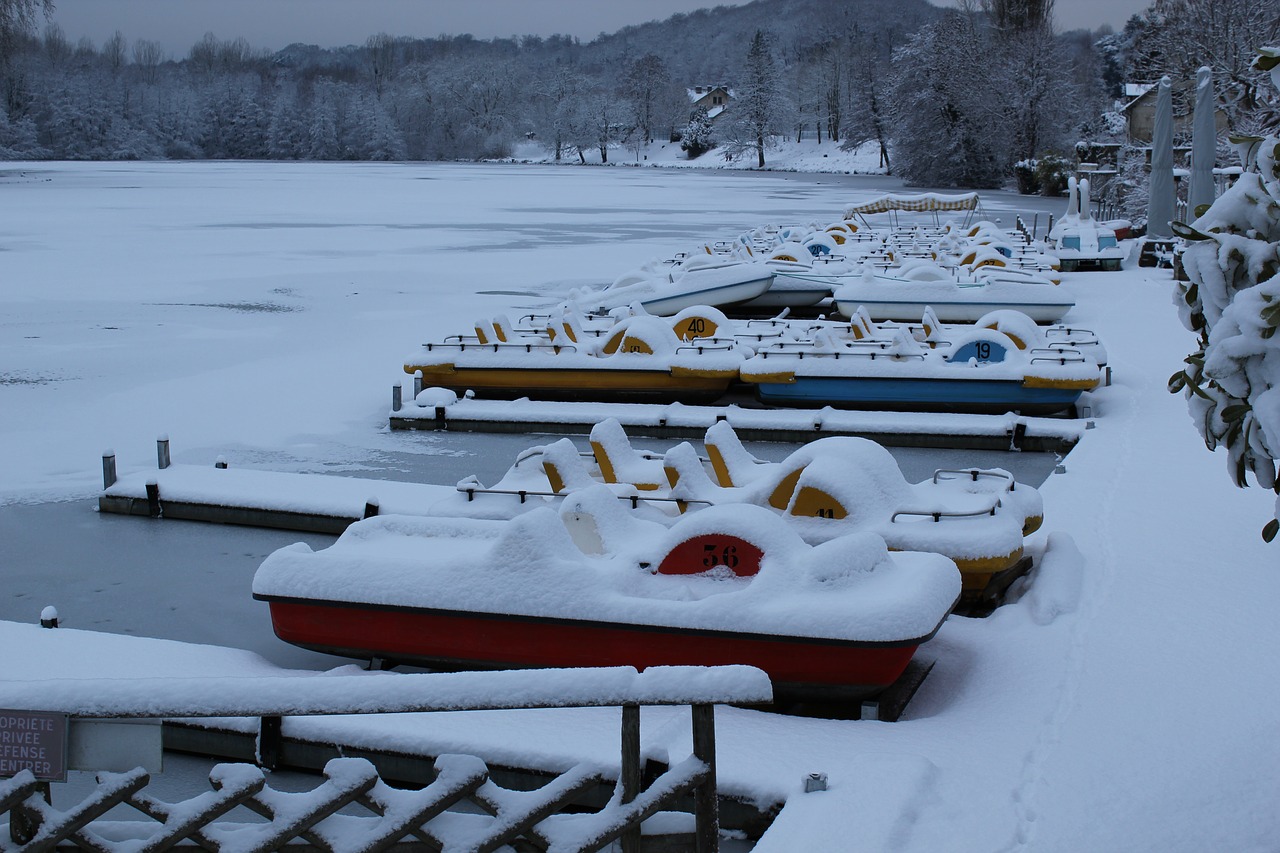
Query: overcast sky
x: 273, y: 24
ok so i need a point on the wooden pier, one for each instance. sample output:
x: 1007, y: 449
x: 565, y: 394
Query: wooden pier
x: 680, y: 422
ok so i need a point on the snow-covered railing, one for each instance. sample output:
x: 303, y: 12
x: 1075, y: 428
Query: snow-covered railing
x: 394, y: 816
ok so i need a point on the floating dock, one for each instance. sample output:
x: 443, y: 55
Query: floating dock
x: 313, y: 503
x: 677, y: 421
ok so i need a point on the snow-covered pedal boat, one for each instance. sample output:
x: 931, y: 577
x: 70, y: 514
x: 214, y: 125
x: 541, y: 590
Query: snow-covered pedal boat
x: 726, y: 585
x: 639, y: 357
x: 698, y: 280
x: 826, y: 489
x: 1079, y: 240
x: 982, y: 370
x: 903, y: 294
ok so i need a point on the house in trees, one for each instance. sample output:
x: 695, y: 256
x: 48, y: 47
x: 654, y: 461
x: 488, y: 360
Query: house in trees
x: 714, y: 99
x: 1139, y: 111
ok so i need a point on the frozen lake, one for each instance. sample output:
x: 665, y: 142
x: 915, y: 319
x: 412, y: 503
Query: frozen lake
x: 260, y: 311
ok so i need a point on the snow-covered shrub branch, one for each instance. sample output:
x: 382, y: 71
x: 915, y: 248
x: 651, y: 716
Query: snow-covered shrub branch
x: 1232, y: 303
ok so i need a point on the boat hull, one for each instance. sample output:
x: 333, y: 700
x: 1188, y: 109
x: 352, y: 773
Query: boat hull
x: 599, y: 384
x: 801, y: 668
x: 950, y: 311
x: 942, y: 395
x: 722, y: 296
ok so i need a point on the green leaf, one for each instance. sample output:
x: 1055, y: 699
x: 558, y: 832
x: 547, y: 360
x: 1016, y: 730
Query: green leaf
x: 1186, y: 232
x: 1236, y: 412
x: 1271, y: 314
x: 1270, y: 530
x: 1268, y: 332
x: 1177, y: 382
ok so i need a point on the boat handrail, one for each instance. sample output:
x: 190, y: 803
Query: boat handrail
x: 938, y: 515
x: 1061, y: 356
x: 880, y: 352
x: 527, y: 346
x: 717, y: 347
x: 1068, y: 330
x: 975, y: 473
x: 525, y: 494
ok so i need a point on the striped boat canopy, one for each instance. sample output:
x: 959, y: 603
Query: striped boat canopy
x: 922, y: 203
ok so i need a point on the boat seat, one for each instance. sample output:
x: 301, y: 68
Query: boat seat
x: 620, y: 463
x: 732, y: 463
x: 564, y: 467
x: 485, y: 332
x: 688, y: 477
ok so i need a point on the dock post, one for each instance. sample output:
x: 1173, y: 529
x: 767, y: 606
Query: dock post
x: 706, y: 808
x: 1048, y: 227
x: 371, y: 508
x: 1035, y: 226
x: 270, y: 739
x: 417, y: 384
x: 108, y: 468
x: 49, y: 617
x: 396, y: 391
x: 442, y: 423
x: 162, y: 451
x: 220, y: 463
x: 153, y: 499
x: 630, y: 771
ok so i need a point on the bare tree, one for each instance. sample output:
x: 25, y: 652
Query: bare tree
x: 382, y: 59
x: 114, y: 50
x: 148, y: 55
x: 18, y: 17
x: 56, y: 46
x: 1020, y: 16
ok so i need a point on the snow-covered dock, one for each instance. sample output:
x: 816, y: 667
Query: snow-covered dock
x: 677, y: 421
x: 315, y: 503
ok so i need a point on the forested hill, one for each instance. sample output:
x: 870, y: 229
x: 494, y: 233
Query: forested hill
x: 706, y: 45
x: 450, y: 97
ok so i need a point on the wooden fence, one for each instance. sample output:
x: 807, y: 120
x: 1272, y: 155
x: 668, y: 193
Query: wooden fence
x: 355, y: 810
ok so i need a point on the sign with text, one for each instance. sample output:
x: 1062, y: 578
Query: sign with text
x: 35, y: 741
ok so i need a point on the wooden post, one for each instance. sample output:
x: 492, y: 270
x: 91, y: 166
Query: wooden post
x: 442, y: 420
x: 108, y: 468
x: 49, y: 617
x: 706, y: 809
x: 270, y: 737
x: 630, y: 771
x: 370, y: 508
x: 153, y: 499
x: 417, y: 384
x: 396, y: 391
x: 221, y: 463
x: 162, y: 451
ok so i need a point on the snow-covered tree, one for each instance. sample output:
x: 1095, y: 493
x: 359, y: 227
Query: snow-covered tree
x: 948, y: 121
x: 1175, y: 37
x: 696, y: 139
x: 644, y: 82
x: 1232, y: 303
x: 759, y: 110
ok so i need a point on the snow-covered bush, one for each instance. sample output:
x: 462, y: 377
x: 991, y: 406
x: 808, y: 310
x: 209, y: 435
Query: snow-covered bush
x: 1232, y: 302
x: 696, y: 139
x: 1052, y: 173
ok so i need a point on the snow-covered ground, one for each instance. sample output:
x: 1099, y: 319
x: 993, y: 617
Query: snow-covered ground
x: 787, y: 155
x: 1125, y: 702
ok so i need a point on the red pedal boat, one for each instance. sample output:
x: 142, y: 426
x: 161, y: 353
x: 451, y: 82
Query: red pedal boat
x: 594, y: 586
